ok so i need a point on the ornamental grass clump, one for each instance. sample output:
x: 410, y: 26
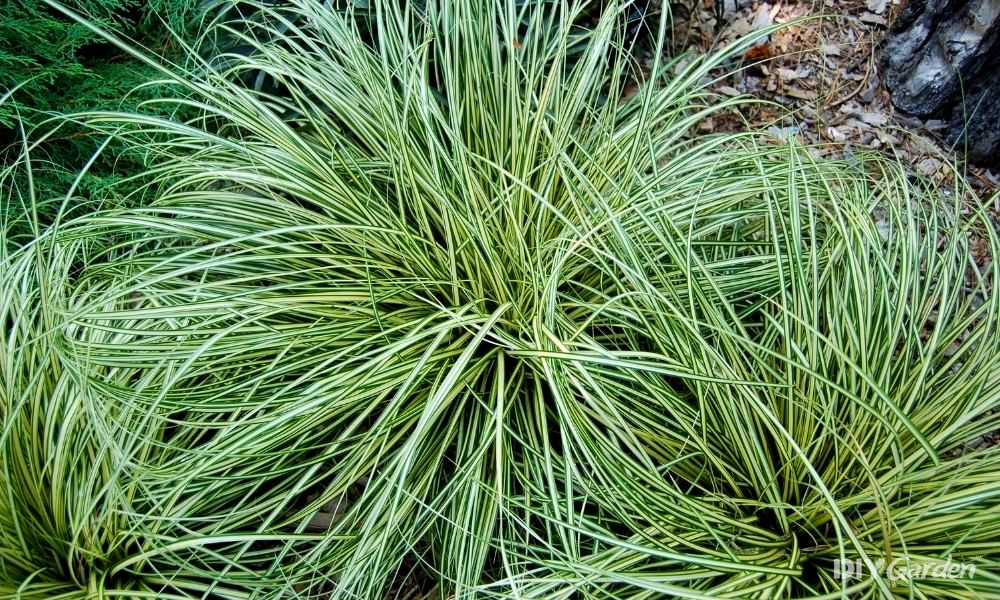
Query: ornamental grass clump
x: 454, y: 303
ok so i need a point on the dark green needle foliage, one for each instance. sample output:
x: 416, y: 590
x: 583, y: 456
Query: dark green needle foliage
x: 49, y: 62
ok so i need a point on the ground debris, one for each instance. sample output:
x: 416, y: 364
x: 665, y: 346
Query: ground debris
x: 826, y: 74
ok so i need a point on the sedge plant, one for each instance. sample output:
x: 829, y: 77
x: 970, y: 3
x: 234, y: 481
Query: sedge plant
x: 558, y: 341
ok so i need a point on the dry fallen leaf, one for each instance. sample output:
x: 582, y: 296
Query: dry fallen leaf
x: 761, y: 52
x: 830, y: 49
x: 764, y: 16
x: 787, y: 74
x: 874, y: 118
x: 873, y: 19
x: 929, y: 166
x: 800, y: 94
x: 877, y: 6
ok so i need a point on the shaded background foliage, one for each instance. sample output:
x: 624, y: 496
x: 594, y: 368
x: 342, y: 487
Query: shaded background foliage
x: 63, y: 65
x: 56, y: 64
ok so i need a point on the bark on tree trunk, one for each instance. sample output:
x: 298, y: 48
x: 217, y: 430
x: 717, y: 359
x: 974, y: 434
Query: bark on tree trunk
x: 942, y: 60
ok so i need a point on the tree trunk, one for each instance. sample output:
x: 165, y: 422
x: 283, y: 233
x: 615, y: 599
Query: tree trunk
x: 942, y: 61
